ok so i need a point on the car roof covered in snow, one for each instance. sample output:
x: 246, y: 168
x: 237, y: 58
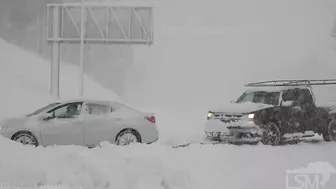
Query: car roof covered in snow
x: 273, y: 89
x: 100, y: 101
x: 86, y: 99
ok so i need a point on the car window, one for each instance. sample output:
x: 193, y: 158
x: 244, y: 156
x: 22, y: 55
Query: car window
x: 98, y: 109
x: 271, y: 98
x: 297, y: 95
x: 43, y: 109
x: 264, y: 97
x: 289, y: 95
x: 305, y: 96
x: 246, y: 97
x: 71, y: 110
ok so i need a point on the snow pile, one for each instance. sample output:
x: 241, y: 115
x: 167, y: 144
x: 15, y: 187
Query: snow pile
x: 158, y: 167
x: 107, y: 167
x: 25, y: 81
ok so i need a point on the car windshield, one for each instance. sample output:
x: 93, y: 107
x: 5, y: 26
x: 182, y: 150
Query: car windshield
x: 42, y: 109
x: 264, y: 97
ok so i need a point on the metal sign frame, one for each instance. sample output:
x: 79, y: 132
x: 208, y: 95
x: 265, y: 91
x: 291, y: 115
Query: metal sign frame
x: 94, y: 23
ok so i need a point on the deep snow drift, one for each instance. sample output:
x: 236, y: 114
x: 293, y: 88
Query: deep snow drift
x: 25, y: 81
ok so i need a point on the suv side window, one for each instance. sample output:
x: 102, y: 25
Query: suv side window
x: 246, y: 97
x: 272, y: 98
x: 66, y: 111
x: 98, y: 109
x: 305, y: 96
x: 289, y: 95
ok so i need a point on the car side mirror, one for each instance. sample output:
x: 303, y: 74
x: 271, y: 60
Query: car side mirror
x: 287, y: 103
x: 46, y: 116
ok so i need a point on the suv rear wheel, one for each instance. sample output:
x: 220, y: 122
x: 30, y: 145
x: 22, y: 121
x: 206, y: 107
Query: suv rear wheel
x: 330, y: 135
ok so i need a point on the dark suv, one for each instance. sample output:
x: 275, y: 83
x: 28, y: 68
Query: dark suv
x: 275, y: 112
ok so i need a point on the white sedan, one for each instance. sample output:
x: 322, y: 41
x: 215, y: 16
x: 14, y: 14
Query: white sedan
x: 82, y: 122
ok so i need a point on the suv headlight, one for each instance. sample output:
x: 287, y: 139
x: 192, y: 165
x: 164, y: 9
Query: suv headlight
x: 251, y: 116
x: 210, y: 115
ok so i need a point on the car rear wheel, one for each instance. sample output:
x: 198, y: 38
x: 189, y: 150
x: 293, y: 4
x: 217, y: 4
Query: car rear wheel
x: 25, y: 138
x: 271, y: 135
x: 127, y: 137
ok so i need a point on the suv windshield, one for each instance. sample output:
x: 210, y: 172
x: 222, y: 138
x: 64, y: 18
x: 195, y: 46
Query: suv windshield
x: 263, y: 97
x: 43, y: 108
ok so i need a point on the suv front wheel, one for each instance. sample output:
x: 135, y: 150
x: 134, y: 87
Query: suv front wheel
x: 271, y: 135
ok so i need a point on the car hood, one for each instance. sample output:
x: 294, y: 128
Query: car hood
x: 240, y: 108
x: 14, y: 121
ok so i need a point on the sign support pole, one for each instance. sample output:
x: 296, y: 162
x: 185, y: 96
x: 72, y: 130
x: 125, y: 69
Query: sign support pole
x: 81, y: 63
x: 55, y: 60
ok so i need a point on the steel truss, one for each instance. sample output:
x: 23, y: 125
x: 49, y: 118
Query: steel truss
x: 110, y: 24
x: 94, y: 23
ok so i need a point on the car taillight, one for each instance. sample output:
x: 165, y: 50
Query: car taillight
x: 150, y: 118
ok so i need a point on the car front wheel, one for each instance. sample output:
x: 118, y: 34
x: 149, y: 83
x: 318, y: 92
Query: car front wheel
x: 25, y: 138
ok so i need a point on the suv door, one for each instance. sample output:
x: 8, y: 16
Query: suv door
x: 64, y: 127
x: 300, y: 114
x: 306, y: 102
x: 292, y: 116
x: 308, y: 108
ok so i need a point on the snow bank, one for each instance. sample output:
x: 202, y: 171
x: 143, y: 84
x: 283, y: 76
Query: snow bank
x: 158, y: 167
x: 107, y: 167
x: 25, y: 81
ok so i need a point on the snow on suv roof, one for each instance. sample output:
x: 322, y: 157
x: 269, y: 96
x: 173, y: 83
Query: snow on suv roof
x: 273, y: 89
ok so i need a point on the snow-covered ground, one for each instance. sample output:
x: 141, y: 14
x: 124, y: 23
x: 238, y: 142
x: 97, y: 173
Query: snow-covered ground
x: 25, y: 79
x: 159, y: 167
x: 156, y: 166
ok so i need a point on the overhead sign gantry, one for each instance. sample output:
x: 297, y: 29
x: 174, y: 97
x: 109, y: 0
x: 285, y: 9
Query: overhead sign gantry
x: 94, y: 23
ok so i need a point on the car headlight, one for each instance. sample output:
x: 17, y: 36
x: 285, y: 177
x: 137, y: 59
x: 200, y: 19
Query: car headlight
x: 251, y: 116
x: 3, y: 126
x: 210, y: 114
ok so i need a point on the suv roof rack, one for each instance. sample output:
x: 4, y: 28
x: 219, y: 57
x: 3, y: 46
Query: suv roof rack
x: 288, y: 82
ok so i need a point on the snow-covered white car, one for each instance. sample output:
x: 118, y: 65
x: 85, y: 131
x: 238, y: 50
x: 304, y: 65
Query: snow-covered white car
x: 274, y: 112
x: 85, y: 122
